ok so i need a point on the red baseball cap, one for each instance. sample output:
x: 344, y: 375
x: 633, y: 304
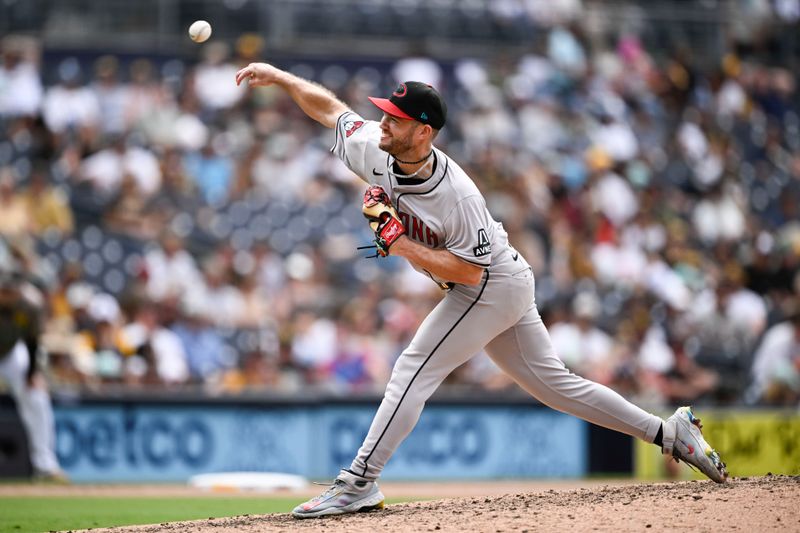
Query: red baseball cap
x: 414, y: 100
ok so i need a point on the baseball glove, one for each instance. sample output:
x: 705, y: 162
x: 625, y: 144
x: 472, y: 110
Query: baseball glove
x: 382, y: 218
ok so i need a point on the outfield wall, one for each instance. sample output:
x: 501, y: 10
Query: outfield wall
x: 752, y: 442
x: 168, y: 439
x: 162, y: 442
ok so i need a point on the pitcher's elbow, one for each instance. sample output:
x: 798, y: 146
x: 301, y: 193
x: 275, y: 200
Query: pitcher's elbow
x: 474, y: 276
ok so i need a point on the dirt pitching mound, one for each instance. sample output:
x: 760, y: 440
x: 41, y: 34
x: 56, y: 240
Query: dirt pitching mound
x: 745, y: 504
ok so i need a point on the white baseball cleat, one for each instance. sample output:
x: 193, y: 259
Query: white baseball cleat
x: 348, y: 494
x: 683, y: 440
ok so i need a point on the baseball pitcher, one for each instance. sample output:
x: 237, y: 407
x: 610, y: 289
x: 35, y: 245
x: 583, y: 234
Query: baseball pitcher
x: 424, y: 207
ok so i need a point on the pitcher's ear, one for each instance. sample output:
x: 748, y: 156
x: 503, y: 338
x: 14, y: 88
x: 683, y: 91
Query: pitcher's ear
x: 427, y: 131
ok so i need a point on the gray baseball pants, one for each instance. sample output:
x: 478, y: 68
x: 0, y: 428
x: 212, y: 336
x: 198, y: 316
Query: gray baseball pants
x: 34, y: 408
x: 500, y: 315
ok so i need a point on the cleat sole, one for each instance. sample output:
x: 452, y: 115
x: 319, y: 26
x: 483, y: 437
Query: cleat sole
x: 369, y: 508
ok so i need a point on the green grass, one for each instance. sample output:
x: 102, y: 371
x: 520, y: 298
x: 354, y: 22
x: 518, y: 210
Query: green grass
x: 25, y: 514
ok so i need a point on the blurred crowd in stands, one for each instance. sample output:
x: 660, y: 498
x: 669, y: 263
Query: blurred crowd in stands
x: 189, y: 234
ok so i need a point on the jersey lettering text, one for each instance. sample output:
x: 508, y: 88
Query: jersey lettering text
x: 431, y: 238
x: 418, y: 231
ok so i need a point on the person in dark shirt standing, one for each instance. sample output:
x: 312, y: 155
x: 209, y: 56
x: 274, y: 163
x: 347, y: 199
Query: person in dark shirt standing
x: 20, y: 324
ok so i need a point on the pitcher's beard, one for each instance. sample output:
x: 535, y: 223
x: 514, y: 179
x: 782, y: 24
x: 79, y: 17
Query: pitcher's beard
x: 395, y: 146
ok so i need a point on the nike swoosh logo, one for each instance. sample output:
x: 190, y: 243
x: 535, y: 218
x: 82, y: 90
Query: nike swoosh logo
x: 514, y: 257
x: 376, y: 173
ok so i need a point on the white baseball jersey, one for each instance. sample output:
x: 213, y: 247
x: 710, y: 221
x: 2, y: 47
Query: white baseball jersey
x: 444, y: 211
x: 498, y: 314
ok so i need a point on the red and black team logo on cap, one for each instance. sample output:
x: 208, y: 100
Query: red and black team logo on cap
x: 351, y: 126
x: 414, y: 100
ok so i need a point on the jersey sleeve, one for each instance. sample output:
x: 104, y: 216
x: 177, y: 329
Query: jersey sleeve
x: 469, y: 231
x: 357, y: 143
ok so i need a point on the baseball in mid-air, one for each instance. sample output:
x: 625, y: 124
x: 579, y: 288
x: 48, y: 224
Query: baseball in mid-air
x: 200, y: 31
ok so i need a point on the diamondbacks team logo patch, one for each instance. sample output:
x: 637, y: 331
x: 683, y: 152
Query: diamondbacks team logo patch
x: 351, y: 126
x: 484, y: 246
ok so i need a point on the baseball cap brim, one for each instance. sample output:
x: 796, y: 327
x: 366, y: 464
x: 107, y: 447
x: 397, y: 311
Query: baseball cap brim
x: 385, y: 105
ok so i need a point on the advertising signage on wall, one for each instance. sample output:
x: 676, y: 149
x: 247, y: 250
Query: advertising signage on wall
x: 753, y: 443
x: 171, y: 443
